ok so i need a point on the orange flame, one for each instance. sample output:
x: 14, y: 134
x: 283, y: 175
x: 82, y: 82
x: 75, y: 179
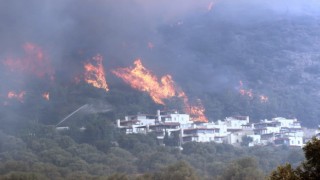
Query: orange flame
x: 94, y: 73
x: 196, y: 112
x: 140, y: 78
x: 34, y: 62
x: 18, y: 96
x: 249, y: 93
x: 244, y: 92
x: 46, y: 96
x: 264, y: 99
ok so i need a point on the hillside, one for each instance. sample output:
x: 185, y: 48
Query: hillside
x: 273, y: 52
x: 239, y: 58
x: 84, y: 64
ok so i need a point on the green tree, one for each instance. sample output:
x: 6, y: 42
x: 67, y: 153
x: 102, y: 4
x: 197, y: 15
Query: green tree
x: 309, y: 169
x: 242, y: 169
x: 118, y: 176
x: 173, y: 139
x: 284, y: 173
x: 177, y: 171
x: 22, y: 176
x: 246, y: 140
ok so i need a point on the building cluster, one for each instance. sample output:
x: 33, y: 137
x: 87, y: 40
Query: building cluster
x: 236, y: 130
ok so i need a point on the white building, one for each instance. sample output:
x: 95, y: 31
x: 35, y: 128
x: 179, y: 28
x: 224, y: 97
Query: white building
x: 290, y: 141
x: 198, y: 134
x: 289, y: 123
x: 278, y: 131
x: 236, y: 122
x: 160, y: 123
x: 132, y: 124
x: 235, y: 138
x: 267, y: 127
x: 256, y: 140
x: 174, y: 117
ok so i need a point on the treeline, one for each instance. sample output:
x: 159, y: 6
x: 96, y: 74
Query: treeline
x: 101, y: 152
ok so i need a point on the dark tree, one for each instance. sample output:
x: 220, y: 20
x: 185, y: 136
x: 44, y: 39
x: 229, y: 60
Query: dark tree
x: 309, y: 169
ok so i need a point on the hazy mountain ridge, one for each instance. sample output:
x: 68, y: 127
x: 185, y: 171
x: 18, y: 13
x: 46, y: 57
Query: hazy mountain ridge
x: 272, y: 47
x: 276, y: 56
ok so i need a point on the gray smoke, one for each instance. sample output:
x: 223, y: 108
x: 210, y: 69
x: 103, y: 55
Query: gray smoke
x: 71, y: 31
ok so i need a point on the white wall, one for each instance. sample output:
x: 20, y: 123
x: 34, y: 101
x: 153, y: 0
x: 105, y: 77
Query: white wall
x: 296, y: 141
x: 180, y: 118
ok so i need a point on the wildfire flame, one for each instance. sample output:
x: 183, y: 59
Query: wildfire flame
x: 249, y: 93
x: 263, y: 98
x: 245, y: 92
x: 196, y: 112
x: 140, y: 78
x: 33, y: 62
x: 94, y: 73
x: 18, y: 96
x: 46, y: 96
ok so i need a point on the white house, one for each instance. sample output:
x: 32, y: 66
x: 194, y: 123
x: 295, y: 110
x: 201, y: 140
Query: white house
x: 289, y: 123
x: 236, y: 122
x: 198, y: 134
x: 131, y: 124
x: 256, y: 140
x: 280, y: 130
x: 235, y: 138
x: 290, y: 141
x: 276, y: 131
x: 267, y: 127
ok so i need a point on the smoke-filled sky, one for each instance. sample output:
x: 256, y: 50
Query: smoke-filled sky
x: 167, y: 35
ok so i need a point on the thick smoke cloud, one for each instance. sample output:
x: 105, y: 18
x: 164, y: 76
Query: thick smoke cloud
x: 71, y: 31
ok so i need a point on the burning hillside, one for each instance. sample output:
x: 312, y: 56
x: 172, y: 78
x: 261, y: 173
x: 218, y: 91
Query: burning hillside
x: 251, y: 95
x: 140, y: 78
x: 94, y: 73
x: 206, y: 47
x: 34, y: 61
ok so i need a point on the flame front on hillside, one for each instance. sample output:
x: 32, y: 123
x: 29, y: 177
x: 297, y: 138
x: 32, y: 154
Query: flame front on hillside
x: 140, y: 78
x: 263, y: 98
x: 18, y: 96
x: 94, y: 73
x: 46, y: 96
x: 196, y: 111
x: 33, y: 62
x: 249, y: 93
